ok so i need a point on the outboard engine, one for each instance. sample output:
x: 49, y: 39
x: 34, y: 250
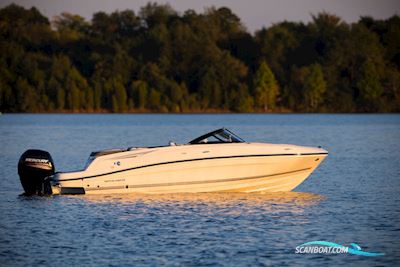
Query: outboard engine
x: 33, y: 167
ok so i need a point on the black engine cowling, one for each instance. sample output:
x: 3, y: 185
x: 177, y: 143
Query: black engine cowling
x: 33, y: 167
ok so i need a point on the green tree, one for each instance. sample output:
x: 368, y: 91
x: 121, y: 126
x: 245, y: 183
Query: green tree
x: 121, y: 97
x: 153, y: 14
x: 277, y: 44
x: 89, y: 101
x: 265, y: 88
x: 117, y: 94
x: 140, y: 91
x: 210, y: 89
x: 154, y: 101
x: 314, y: 87
x: 241, y: 100
x: 77, y: 88
x: 60, y: 99
x: 73, y: 98
x: 7, y: 96
x: 392, y: 85
x: 370, y: 87
x: 67, y: 87
x: 70, y: 27
x: 27, y: 97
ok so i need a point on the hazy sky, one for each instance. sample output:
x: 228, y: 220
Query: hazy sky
x: 254, y: 13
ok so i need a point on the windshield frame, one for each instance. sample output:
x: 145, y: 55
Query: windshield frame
x: 223, y: 135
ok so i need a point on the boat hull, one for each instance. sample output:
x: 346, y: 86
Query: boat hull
x: 263, y: 173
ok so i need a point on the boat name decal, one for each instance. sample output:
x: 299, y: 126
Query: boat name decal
x: 114, y: 180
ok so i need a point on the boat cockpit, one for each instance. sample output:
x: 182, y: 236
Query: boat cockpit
x: 219, y: 136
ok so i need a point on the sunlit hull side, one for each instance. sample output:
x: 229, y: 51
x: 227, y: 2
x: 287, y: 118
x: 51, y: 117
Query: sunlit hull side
x: 258, y: 168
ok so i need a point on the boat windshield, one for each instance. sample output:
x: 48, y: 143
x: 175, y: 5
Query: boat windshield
x: 218, y: 136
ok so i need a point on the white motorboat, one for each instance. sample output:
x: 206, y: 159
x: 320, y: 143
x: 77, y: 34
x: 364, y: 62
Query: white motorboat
x: 218, y: 161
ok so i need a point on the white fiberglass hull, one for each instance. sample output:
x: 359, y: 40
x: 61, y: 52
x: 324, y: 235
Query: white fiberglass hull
x: 222, y: 170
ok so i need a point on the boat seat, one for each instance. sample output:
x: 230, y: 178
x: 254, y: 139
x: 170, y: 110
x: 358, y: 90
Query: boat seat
x: 106, y: 152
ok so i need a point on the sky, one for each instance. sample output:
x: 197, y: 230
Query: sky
x: 254, y: 14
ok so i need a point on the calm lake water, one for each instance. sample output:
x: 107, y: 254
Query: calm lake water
x: 353, y: 197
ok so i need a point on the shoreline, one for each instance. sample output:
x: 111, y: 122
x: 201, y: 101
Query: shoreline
x: 194, y: 113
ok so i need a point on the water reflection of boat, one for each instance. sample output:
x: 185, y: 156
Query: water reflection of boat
x: 218, y: 161
x: 270, y: 200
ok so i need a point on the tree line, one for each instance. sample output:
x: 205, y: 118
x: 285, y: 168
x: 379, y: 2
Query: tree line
x: 159, y: 60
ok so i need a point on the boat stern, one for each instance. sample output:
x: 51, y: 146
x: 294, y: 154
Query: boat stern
x: 60, y: 186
